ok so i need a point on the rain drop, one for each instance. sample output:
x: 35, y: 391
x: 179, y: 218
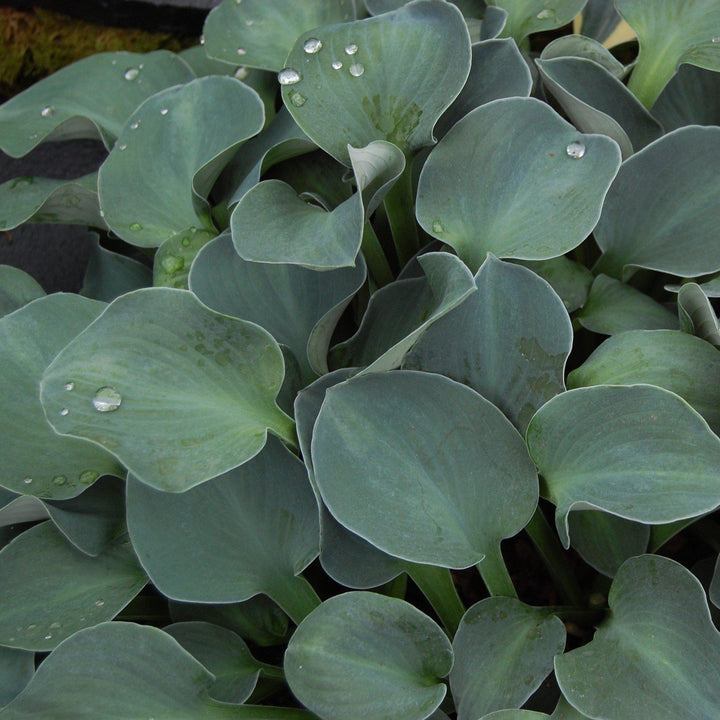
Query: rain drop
x: 59, y: 480
x: 249, y: 23
x: 164, y: 111
x: 48, y: 636
x: 172, y: 263
x: 356, y: 69
x: 27, y: 480
x: 107, y: 399
x: 289, y: 76
x: 64, y: 412
x: 136, y: 227
x: 312, y: 45
x: 131, y: 73
x: 99, y: 603
x: 297, y: 99
x: 55, y: 625
x: 437, y: 227
x: 185, y: 242
x: 202, y: 39
x: 88, y: 477
x: 47, y: 111
x: 575, y: 150
x: 241, y: 73
x: 241, y: 51
x: 351, y: 49
x: 122, y: 147
x: 716, y: 40
x: 336, y: 65
x: 69, y: 386
x: 544, y: 14
x: 135, y: 125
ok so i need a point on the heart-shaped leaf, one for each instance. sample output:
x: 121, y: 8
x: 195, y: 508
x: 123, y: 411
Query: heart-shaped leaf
x: 17, y: 288
x: 261, y: 33
x: 692, y: 97
x: 90, y: 98
x: 670, y: 34
x: 508, y: 341
x: 568, y: 278
x: 599, y: 19
x: 388, y: 77
x: 614, y: 307
x: 265, y: 507
x: 580, y: 46
x: 34, y: 460
x: 156, y: 366
x: 638, y: 452
x: 156, y: 180
x: 531, y: 16
x: 658, y: 654
x: 121, y: 670
x: 401, y: 312
x: 503, y: 650
x: 173, y: 259
x: 406, y: 475
x: 50, y: 589
x: 676, y: 361
x: 544, y: 191
x: 667, y: 221
x: 298, y: 306
x: 364, y: 655
x: 596, y: 101
x: 42, y: 200
x: 224, y: 654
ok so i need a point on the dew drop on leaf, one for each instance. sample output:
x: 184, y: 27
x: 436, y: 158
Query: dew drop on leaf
x: 575, y: 150
x: 312, y: 45
x: 336, y: 65
x: 136, y: 226
x: 88, y: 477
x: 47, y: 111
x: 27, y: 480
x: 241, y: 51
x: 48, y: 636
x: 131, y: 73
x: 122, y: 147
x: 69, y: 386
x: 99, y: 603
x: 356, y: 69
x: 107, y: 399
x: 185, y: 242
x: 59, y: 480
x: 241, y: 73
x: 544, y: 14
x: 164, y: 111
x: 351, y: 49
x: 437, y: 227
x: 135, y: 125
x: 288, y: 76
x: 64, y: 412
x: 297, y: 99
x: 172, y: 263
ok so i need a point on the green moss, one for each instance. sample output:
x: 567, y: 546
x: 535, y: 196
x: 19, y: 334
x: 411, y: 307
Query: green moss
x: 39, y: 42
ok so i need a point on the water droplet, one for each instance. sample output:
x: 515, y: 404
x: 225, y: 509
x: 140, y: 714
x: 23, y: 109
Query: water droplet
x: 575, y: 150
x: 141, y: 66
x: 356, y: 69
x: 107, y: 399
x: 164, y: 111
x: 237, y: 2
x: 47, y: 111
x: 716, y: 40
x: 55, y: 626
x: 135, y: 125
x: 131, y: 73
x: 99, y: 603
x: 437, y: 227
x: 202, y: 39
x: 59, y: 480
x: 312, y: 45
x: 48, y: 636
x: 297, y: 99
x: 31, y: 627
x: 241, y: 51
x: 64, y: 412
x: 88, y: 477
x: 249, y: 23
x: 289, y: 76
x: 241, y: 73
x: 351, y: 49
x: 27, y: 480
x: 122, y: 147
x: 102, y: 213
x: 172, y: 263
x: 336, y: 65
x: 544, y: 14
x: 135, y: 227
x: 69, y: 386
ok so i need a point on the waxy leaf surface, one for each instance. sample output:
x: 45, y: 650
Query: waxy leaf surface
x: 638, y: 452
x: 17, y: 288
x: 34, y: 460
x: 388, y: 77
x: 50, y: 589
x: 90, y: 98
x: 503, y: 650
x: 508, y: 341
x: 697, y: 315
x: 261, y: 33
x: 531, y: 16
x: 363, y: 655
x: 657, y: 655
x: 407, y: 475
x: 265, y: 508
x: 156, y: 366
x: 531, y: 201
x: 16, y: 669
x: 156, y: 179
x: 109, y: 274
x: 666, y: 221
x: 692, y: 97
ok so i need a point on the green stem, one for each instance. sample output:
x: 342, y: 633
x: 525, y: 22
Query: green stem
x: 377, y: 263
x: 400, y: 209
x: 649, y: 78
x: 284, y: 428
x: 296, y: 596
x: 272, y: 672
x: 437, y: 585
x: 546, y: 541
x: 495, y: 574
x: 396, y: 587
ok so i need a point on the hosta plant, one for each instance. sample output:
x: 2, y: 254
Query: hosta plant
x: 393, y: 389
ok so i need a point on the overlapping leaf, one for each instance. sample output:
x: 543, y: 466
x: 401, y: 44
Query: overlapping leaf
x: 17, y: 288
x: 531, y: 16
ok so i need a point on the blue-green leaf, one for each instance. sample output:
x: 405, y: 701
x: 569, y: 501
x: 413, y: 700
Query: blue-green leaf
x: 531, y: 16
x: 17, y: 288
